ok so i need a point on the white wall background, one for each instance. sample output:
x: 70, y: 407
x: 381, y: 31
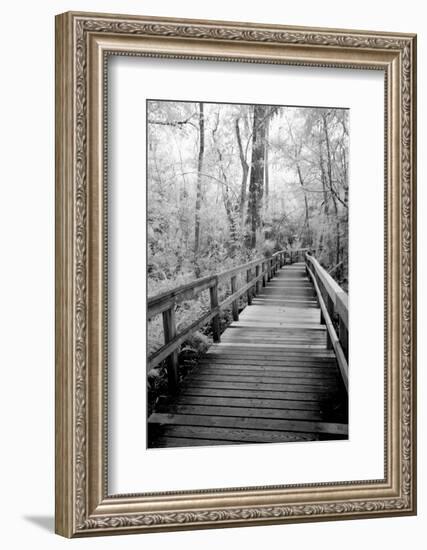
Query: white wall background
x: 27, y: 273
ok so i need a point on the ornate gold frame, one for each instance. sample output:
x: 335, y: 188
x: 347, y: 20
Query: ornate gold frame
x: 83, y: 41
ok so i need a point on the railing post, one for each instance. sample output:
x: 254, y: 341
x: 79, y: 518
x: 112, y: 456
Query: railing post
x: 248, y: 280
x: 257, y: 286
x: 169, y: 331
x: 264, y: 275
x: 213, y: 291
x: 328, y: 338
x: 235, y: 304
x: 290, y: 260
x: 341, y: 308
x: 343, y: 337
x: 328, y: 341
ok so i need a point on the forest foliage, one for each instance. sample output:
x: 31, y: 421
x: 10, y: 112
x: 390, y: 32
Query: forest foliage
x: 229, y: 182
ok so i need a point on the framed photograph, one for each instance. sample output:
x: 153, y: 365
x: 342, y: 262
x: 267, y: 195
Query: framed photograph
x: 235, y: 274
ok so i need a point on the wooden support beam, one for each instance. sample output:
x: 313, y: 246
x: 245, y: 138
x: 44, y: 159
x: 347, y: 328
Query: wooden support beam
x: 248, y: 280
x: 169, y: 331
x: 343, y: 336
x: 213, y: 291
x: 235, y: 304
x: 257, y: 284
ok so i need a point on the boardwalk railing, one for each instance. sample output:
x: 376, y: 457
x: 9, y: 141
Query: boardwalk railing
x: 258, y: 272
x: 333, y: 302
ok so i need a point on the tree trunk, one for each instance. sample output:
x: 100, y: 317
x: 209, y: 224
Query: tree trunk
x: 266, y: 174
x: 199, y: 189
x: 323, y: 178
x: 245, y: 170
x: 334, y: 200
x: 232, y: 213
x: 256, y: 178
x: 307, y: 239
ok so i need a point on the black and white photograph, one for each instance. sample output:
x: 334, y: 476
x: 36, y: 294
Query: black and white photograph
x: 247, y: 273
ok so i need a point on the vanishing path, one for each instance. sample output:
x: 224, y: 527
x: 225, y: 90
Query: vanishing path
x: 271, y: 379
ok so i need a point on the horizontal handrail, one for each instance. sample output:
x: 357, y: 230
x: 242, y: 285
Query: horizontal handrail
x: 188, y: 291
x: 333, y: 303
x: 161, y: 302
x: 164, y: 303
x: 336, y: 294
x: 168, y: 348
x: 333, y: 339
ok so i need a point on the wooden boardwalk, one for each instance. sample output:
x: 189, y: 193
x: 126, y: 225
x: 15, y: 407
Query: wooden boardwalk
x: 270, y: 379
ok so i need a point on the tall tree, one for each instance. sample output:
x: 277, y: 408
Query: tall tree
x: 331, y: 184
x: 199, y: 189
x: 256, y: 178
x: 245, y: 169
x: 266, y: 168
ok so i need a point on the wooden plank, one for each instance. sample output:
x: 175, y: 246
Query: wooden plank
x: 297, y: 304
x: 282, y: 312
x: 271, y: 352
x: 273, y: 424
x: 281, y: 365
x: 251, y: 402
x: 259, y: 362
x: 282, y: 325
x: 293, y: 378
x: 274, y: 360
x: 276, y: 372
x: 167, y: 442
x: 318, y: 343
x: 265, y: 359
x: 273, y: 337
x: 246, y: 412
x: 278, y: 359
x: 279, y: 343
x: 285, y: 349
x: 262, y: 379
x: 318, y: 397
x: 276, y: 331
x: 236, y: 435
x: 296, y: 388
x: 277, y: 376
